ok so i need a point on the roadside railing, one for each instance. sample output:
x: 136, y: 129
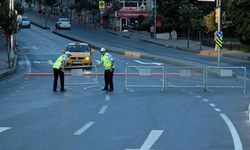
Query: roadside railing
x: 145, y: 76
x: 226, y: 77
x: 185, y: 77
x: 82, y: 76
x: 206, y: 78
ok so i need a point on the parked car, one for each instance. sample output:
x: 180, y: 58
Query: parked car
x: 25, y: 23
x: 81, y: 54
x: 63, y: 23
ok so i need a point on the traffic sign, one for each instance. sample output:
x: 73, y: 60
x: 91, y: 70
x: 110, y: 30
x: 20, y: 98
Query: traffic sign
x: 219, y: 34
x: 101, y: 5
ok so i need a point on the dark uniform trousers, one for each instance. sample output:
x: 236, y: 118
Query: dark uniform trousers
x: 108, y: 78
x: 60, y: 73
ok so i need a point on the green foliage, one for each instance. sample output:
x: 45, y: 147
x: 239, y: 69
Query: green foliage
x: 169, y: 9
x: 210, y: 23
x: 238, y: 14
x: 8, y: 23
x: 145, y: 25
x: 84, y: 4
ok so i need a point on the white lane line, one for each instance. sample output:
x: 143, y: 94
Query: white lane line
x: 217, y: 109
x: 2, y: 129
x: 213, y: 105
x: 151, y: 139
x: 28, y: 64
x: 103, y: 109
x: 84, y: 128
x: 198, y: 96
x: 234, y: 133
x: 205, y: 100
x: 107, y: 97
x: 145, y: 63
x: 28, y: 69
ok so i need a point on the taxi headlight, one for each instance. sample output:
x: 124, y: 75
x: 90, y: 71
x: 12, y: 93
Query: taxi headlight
x: 87, y: 58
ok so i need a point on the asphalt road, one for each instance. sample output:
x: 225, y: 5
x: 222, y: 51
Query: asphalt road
x: 84, y: 117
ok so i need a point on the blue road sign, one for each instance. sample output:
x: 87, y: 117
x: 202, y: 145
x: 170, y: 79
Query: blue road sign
x: 219, y: 34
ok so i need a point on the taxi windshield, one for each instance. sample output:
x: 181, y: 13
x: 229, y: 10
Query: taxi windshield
x: 77, y: 48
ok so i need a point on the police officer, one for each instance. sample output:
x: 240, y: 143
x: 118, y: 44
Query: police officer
x: 58, y: 69
x: 108, y: 63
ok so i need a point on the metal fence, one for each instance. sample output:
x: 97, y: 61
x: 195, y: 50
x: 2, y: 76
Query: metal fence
x: 226, y: 77
x: 80, y: 76
x: 145, y: 76
x: 206, y: 78
x: 185, y: 77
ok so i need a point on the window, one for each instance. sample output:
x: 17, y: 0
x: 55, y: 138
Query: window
x: 77, y: 48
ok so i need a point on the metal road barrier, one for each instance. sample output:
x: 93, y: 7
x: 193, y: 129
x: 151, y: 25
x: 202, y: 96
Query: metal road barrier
x: 145, y: 76
x: 226, y: 77
x: 185, y: 77
x: 81, y: 76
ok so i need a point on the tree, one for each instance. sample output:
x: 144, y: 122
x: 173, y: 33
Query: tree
x: 238, y: 14
x: 8, y: 23
x: 169, y: 9
x: 190, y: 17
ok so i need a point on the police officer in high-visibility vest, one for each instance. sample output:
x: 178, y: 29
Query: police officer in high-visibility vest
x: 108, y: 63
x: 58, y: 69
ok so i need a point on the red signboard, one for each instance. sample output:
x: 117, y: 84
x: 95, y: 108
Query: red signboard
x: 159, y: 21
x: 132, y: 13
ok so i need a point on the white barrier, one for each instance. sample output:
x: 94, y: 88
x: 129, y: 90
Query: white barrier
x: 226, y: 77
x: 149, y: 76
x: 185, y: 77
x: 80, y: 76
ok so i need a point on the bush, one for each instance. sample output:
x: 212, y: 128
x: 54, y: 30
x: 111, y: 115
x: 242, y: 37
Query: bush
x: 145, y: 25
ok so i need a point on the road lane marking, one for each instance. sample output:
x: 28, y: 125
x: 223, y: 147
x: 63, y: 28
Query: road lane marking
x: 151, y: 139
x: 205, y: 100
x: 103, y: 109
x: 217, y: 109
x: 2, y: 129
x: 107, y: 97
x: 198, y: 96
x: 213, y: 105
x: 234, y: 133
x: 145, y: 63
x: 153, y: 136
x: 28, y: 64
x: 84, y: 128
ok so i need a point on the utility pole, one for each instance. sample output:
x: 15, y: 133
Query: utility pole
x: 218, y: 4
x: 11, y: 10
x: 155, y: 5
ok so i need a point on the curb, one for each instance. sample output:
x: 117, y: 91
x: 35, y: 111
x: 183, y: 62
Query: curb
x: 248, y: 112
x: 10, y: 71
x: 43, y: 27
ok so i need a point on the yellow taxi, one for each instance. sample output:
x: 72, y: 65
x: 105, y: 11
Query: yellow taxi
x: 81, y: 54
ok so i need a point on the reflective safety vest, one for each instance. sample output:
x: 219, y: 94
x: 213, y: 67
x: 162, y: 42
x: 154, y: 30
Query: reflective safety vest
x: 107, y: 63
x: 58, y: 63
